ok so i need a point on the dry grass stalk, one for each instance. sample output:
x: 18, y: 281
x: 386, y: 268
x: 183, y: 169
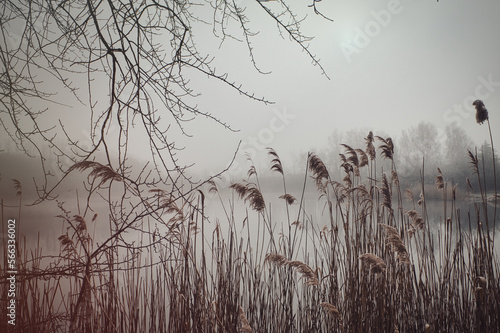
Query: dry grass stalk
x: 395, y: 178
x: 481, y: 111
x: 249, y: 192
x: 347, y: 181
x: 318, y: 168
x: 98, y: 171
x: 387, y: 147
x: 290, y: 199
x: 409, y: 195
x: 356, y: 171
x: 275, y: 302
x: 364, y: 197
x: 370, y: 148
x: 306, y: 271
x: 275, y: 162
x: 411, y: 231
x: 331, y: 309
x: 418, y: 221
x: 278, y: 259
x: 341, y: 191
x: 67, y: 244
x: 301, y: 267
x: 17, y: 187
x: 386, y: 193
x: 353, y: 156
x: 251, y: 171
x: 363, y: 158
x: 343, y: 159
x: 81, y: 224
x: 212, y: 186
x: 439, y: 180
x: 376, y: 264
x: 474, y: 161
x: 394, y: 240
x: 467, y: 180
x: 347, y: 167
x: 454, y: 192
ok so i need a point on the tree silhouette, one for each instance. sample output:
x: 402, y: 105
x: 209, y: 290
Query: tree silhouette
x: 134, y: 59
x: 125, y: 66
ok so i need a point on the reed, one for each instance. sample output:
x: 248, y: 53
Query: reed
x: 360, y: 266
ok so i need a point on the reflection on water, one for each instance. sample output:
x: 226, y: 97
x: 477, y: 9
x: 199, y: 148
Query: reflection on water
x: 41, y: 223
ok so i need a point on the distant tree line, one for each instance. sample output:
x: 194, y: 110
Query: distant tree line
x: 423, y: 148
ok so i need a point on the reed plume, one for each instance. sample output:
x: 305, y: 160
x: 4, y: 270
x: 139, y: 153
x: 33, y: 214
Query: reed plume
x: 278, y: 259
x: 418, y: 221
x: 81, y: 224
x: 18, y: 187
x: 474, y: 161
x: 306, y: 271
x: 318, y: 168
x: 386, y: 193
x: 481, y: 111
x: 212, y: 187
x: 467, y: 180
x: 347, y: 181
x: 252, y: 171
x: 347, y: 167
x: 353, y: 157
x: 250, y: 193
x: 387, y: 147
x: 409, y: 194
x: 376, y: 264
x: 363, y: 158
x: 341, y: 191
x: 395, y: 178
x: 275, y: 162
x: 439, y: 180
x: 394, y: 240
x: 67, y: 244
x: 290, y: 199
x: 370, y: 148
x: 481, y: 116
x: 331, y: 309
x: 98, y: 171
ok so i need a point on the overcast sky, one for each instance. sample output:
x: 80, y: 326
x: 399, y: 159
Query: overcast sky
x: 392, y: 64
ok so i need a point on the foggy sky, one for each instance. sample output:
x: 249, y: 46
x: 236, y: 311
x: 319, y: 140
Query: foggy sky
x: 391, y: 64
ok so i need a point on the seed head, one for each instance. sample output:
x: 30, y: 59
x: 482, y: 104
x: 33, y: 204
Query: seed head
x: 481, y: 112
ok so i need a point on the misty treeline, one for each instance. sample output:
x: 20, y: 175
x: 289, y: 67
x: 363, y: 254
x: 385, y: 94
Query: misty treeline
x: 420, y: 150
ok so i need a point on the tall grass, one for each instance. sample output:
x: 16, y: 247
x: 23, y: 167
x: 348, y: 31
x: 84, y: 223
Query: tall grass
x: 380, y: 263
